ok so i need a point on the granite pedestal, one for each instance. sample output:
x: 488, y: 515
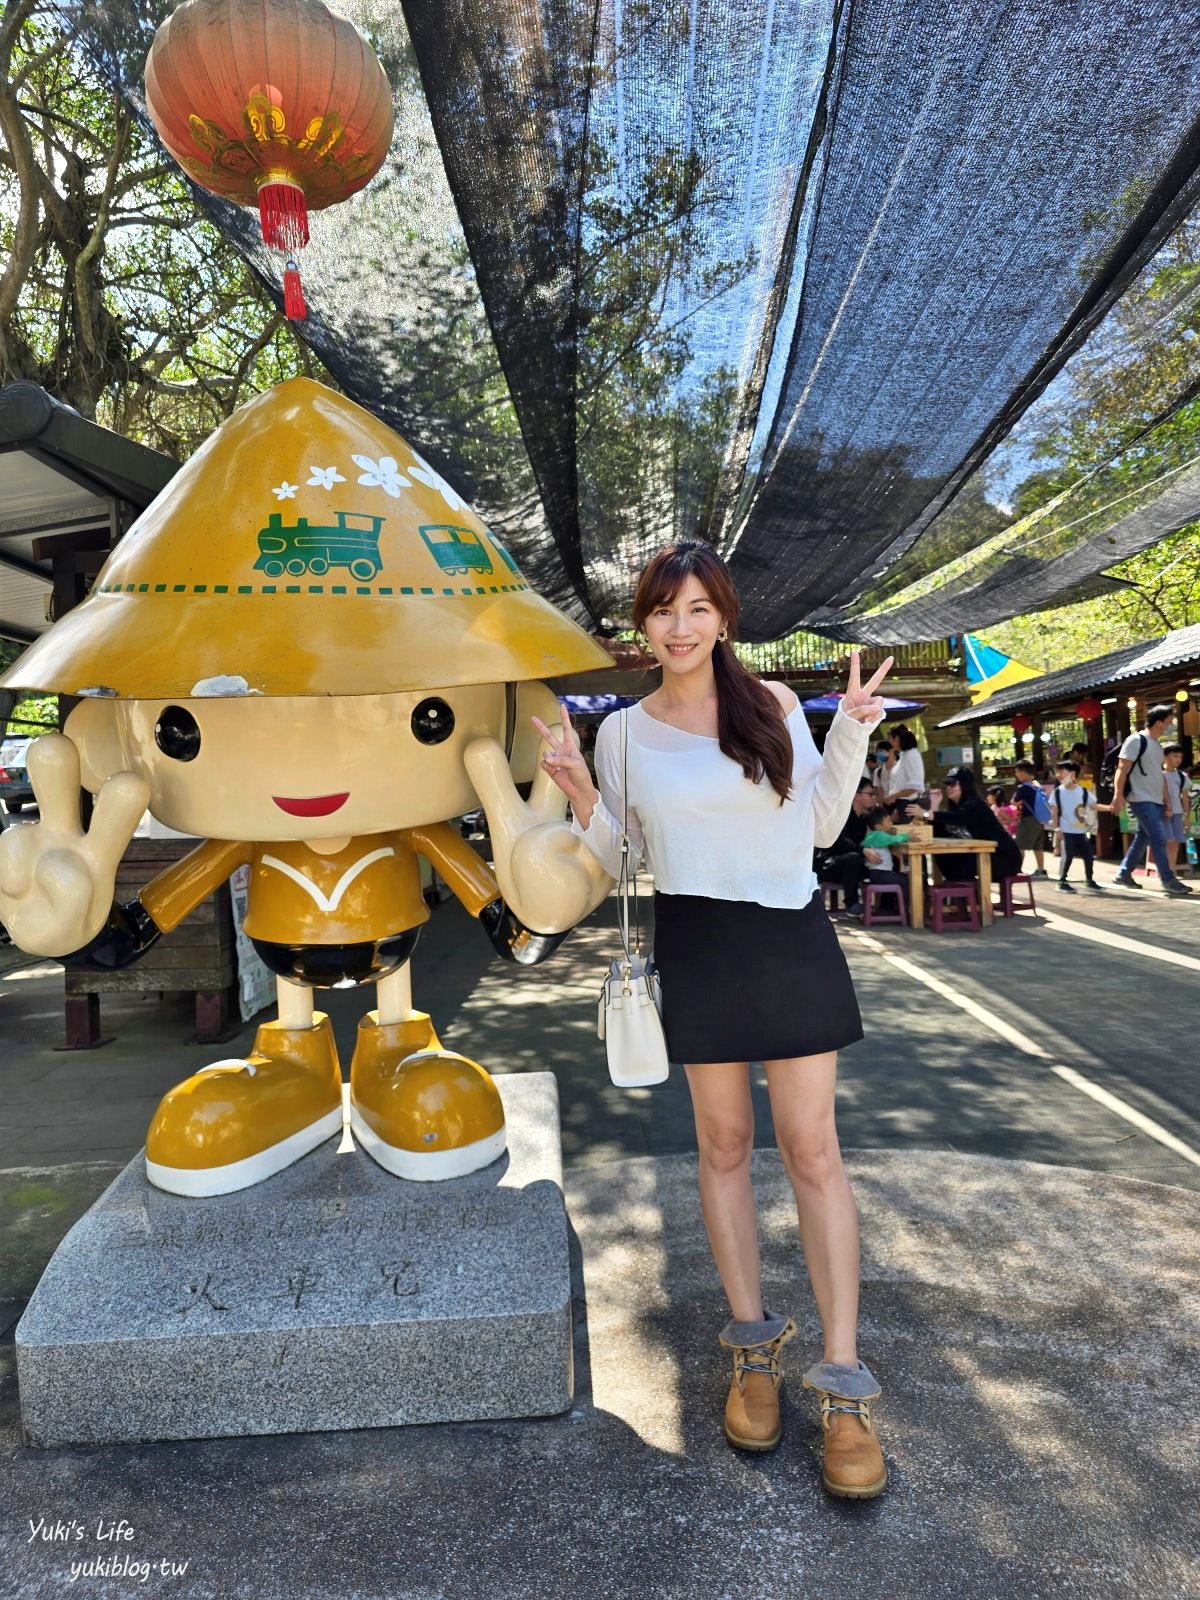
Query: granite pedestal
x: 333, y: 1295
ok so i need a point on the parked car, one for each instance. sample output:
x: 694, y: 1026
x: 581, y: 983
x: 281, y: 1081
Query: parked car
x: 16, y: 790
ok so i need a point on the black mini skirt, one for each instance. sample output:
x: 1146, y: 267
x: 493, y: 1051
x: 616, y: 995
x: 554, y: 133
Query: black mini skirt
x: 748, y: 982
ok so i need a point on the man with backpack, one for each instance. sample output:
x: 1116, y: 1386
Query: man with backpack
x: 1140, y: 778
x: 1035, y: 816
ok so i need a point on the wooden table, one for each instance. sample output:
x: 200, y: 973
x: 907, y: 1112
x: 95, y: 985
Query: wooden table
x: 916, y: 849
x: 199, y: 957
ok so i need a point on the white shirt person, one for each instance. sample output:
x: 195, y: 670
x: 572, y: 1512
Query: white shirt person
x: 703, y: 827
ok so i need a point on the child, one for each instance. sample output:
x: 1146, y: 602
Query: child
x: 1005, y: 812
x: 1178, y: 812
x: 1031, y: 835
x: 1066, y: 803
x: 877, y: 842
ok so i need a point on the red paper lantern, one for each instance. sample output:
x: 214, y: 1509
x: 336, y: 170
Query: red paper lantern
x: 1020, y: 723
x: 1089, y: 709
x: 279, y: 103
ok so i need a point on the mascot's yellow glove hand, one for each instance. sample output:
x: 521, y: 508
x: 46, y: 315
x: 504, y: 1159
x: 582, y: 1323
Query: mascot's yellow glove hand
x: 547, y: 875
x: 57, y: 882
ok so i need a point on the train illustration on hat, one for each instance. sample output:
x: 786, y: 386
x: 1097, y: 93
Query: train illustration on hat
x: 352, y: 541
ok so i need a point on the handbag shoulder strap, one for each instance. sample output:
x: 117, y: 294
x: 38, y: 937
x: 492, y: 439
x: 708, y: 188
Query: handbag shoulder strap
x: 627, y: 885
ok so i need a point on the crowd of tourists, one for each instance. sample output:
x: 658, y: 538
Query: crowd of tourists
x: 1043, y: 814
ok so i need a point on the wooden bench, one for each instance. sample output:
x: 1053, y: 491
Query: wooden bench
x: 200, y: 957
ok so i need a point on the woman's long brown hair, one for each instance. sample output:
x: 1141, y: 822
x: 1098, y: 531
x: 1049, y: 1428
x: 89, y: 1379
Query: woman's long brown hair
x: 751, y: 728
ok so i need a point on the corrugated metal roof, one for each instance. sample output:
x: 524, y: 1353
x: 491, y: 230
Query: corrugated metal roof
x: 59, y: 473
x: 1132, y: 661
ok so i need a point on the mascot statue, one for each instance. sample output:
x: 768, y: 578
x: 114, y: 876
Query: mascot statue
x: 310, y: 653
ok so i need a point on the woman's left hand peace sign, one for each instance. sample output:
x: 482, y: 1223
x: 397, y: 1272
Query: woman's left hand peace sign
x: 860, y: 700
x: 564, y: 763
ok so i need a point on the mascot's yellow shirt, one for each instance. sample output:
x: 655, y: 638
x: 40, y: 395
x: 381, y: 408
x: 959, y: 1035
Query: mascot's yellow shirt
x: 369, y: 889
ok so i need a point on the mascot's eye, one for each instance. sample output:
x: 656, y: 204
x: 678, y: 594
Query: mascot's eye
x: 177, y: 734
x: 433, y: 721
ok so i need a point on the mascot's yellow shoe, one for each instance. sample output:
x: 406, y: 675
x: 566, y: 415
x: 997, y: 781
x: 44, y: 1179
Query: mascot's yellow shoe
x: 236, y: 1122
x: 418, y: 1110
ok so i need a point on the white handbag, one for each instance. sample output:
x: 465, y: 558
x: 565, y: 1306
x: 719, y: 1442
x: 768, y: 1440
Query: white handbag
x: 629, y: 1016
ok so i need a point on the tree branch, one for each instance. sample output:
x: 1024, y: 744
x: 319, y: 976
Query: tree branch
x: 1150, y: 601
x: 15, y: 15
x: 16, y: 134
x: 83, y: 299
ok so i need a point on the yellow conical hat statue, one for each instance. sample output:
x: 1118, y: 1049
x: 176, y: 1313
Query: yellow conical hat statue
x: 305, y: 549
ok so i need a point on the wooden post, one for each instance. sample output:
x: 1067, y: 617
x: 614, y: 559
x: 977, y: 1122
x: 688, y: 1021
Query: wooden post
x: 75, y: 559
x: 82, y: 1021
x: 1182, y: 707
x: 214, y: 1013
x: 1095, y: 744
x: 1108, y: 837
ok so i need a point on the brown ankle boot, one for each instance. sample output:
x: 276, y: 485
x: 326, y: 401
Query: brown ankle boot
x: 752, y: 1419
x: 854, y: 1466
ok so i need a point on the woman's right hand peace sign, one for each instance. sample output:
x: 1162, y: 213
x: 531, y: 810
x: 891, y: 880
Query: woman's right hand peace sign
x: 564, y: 763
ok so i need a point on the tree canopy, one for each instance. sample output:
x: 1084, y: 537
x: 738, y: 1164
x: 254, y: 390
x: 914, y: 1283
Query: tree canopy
x: 120, y: 297
x: 1129, y: 416
x: 116, y: 295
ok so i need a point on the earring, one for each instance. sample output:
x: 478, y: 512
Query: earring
x: 723, y: 636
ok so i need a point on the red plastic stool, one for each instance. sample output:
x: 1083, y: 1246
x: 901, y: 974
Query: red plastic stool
x: 875, y: 891
x: 1006, y: 905
x: 943, y: 895
x: 831, y: 893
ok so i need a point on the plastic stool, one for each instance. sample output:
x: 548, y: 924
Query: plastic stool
x: 944, y: 894
x: 876, y: 891
x: 1006, y: 905
x: 831, y: 893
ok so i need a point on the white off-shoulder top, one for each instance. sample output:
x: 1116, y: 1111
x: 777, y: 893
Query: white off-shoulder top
x: 702, y: 827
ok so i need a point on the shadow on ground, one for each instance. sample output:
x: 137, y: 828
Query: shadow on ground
x: 1035, y: 1369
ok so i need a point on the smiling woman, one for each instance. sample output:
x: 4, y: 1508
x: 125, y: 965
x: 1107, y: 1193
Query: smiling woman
x: 726, y: 794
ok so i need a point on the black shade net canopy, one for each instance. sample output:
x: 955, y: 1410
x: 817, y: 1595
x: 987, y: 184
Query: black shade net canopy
x: 898, y: 306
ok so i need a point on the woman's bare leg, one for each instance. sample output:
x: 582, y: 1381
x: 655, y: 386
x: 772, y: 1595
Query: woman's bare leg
x: 802, y: 1106
x: 725, y: 1136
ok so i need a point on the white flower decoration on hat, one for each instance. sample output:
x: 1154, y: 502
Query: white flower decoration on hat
x: 285, y: 490
x: 324, y: 477
x: 421, y: 470
x: 383, y: 474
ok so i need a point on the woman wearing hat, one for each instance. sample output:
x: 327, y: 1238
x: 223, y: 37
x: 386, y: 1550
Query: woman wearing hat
x: 727, y: 796
x: 967, y: 812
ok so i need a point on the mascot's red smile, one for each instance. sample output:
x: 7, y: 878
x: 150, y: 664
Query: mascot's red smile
x: 321, y: 805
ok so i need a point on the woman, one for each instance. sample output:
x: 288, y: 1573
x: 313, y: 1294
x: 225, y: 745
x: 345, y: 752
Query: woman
x: 905, y: 776
x: 727, y: 795
x: 967, y: 812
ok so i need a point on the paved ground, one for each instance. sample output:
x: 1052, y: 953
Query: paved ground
x: 1023, y: 1129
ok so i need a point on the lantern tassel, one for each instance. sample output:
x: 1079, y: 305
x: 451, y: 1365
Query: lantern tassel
x: 294, y: 308
x: 284, y: 215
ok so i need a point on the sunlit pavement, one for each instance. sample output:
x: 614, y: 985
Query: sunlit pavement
x: 1022, y: 1128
